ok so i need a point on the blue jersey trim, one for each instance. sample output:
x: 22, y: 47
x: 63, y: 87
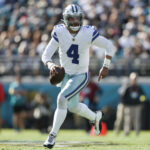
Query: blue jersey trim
x: 79, y: 88
x: 95, y: 37
x: 55, y: 38
x: 94, y: 33
x: 73, y: 9
x: 55, y: 34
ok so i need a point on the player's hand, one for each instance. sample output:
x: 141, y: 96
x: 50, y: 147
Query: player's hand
x: 103, y: 73
x: 54, y: 70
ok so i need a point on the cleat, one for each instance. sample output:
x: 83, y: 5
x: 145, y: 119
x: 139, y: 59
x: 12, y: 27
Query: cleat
x: 50, y: 141
x: 98, y: 126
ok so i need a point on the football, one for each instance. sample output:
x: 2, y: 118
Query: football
x: 58, y: 76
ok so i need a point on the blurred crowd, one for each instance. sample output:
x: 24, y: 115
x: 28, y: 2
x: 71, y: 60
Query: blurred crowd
x: 26, y: 25
x: 24, y: 107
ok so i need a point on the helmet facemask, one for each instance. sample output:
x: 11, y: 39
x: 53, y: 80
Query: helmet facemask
x: 73, y: 20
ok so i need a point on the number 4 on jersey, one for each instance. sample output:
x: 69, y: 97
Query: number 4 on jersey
x: 73, y: 53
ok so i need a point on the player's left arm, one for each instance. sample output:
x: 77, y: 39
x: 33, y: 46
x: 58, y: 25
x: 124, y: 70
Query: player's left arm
x: 103, y: 42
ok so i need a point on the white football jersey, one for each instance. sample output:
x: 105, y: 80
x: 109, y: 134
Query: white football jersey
x: 74, y: 50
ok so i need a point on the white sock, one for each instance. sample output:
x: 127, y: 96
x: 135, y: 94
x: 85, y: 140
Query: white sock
x: 59, y: 117
x: 84, y: 111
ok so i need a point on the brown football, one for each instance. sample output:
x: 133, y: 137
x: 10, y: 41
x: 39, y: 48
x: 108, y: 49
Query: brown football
x: 56, y: 78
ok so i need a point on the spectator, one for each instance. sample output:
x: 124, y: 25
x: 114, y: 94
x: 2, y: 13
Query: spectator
x: 41, y: 107
x: 24, y: 26
x: 120, y: 108
x: 17, y: 99
x: 2, y: 98
x: 132, y: 99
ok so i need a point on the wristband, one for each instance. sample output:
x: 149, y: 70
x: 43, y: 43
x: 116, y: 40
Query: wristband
x: 106, y: 62
x: 50, y: 65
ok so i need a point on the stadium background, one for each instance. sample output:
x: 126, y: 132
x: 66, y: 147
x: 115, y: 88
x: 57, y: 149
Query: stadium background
x: 25, y: 28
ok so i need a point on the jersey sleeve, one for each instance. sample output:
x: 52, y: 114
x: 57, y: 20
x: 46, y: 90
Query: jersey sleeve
x: 102, y: 42
x: 95, y: 34
x: 54, y: 34
x: 49, y: 51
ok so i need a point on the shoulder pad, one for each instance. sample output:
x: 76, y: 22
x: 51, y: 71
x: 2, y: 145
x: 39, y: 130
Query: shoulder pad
x: 59, y: 26
x: 90, y: 27
x: 56, y: 30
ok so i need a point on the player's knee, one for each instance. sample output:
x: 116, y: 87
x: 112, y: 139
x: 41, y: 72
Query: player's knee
x: 73, y: 109
x: 61, y: 102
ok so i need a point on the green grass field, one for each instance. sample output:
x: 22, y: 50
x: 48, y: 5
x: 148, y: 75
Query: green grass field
x: 73, y: 140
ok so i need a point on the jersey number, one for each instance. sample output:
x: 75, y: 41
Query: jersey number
x: 73, y: 53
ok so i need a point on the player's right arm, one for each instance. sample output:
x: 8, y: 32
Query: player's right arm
x: 50, y: 50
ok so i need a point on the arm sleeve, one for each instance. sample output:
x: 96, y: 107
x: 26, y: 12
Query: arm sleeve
x: 49, y: 51
x: 102, y: 42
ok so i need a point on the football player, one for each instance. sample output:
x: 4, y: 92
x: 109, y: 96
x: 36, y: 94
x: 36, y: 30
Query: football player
x: 73, y: 40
